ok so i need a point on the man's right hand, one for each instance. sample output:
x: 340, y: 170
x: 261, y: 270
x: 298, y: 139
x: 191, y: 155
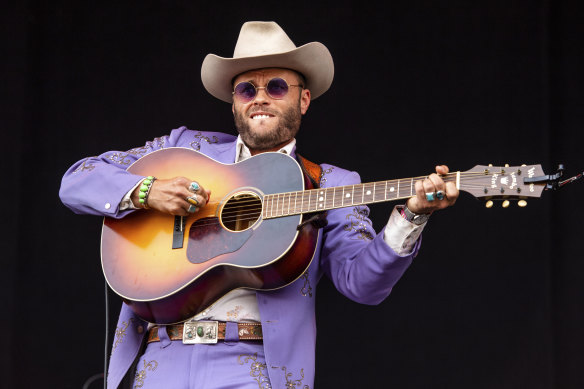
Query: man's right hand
x: 170, y: 196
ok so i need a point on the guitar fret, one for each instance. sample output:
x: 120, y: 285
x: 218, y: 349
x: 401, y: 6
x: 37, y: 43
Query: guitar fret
x: 282, y: 201
x: 412, y: 186
x: 397, y: 197
x: 295, y: 198
x: 317, y: 201
x: 283, y: 204
x: 289, y: 199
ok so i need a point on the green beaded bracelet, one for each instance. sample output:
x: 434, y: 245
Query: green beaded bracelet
x: 145, y: 187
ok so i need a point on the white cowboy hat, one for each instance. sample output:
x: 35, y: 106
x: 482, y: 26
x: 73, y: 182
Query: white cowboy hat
x: 266, y: 45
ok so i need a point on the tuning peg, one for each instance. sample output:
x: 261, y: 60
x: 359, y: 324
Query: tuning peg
x: 505, y: 204
x: 489, y: 204
x: 522, y: 203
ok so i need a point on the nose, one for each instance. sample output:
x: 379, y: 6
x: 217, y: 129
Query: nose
x: 262, y: 97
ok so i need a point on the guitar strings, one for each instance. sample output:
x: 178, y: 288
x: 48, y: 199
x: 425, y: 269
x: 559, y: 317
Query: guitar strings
x: 312, y: 192
x: 247, y: 210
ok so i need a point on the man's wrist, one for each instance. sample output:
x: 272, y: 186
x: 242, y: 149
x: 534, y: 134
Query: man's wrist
x: 415, y: 218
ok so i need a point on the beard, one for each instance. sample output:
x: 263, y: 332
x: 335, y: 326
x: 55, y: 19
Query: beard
x: 287, y: 128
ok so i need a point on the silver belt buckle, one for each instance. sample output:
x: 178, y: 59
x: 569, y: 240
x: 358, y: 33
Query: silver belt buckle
x: 200, y: 332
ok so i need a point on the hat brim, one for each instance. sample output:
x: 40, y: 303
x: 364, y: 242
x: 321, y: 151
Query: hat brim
x: 313, y: 60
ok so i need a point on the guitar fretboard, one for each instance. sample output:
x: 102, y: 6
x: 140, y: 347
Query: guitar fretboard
x: 322, y: 199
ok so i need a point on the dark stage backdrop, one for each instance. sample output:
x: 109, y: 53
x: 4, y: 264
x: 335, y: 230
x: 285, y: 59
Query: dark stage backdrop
x: 495, y: 298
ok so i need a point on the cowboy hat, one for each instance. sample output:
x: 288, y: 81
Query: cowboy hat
x: 266, y: 45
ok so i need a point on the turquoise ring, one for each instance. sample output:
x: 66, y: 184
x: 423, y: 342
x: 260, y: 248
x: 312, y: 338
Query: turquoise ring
x: 194, y: 186
x: 192, y: 209
x: 440, y: 195
x: 430, y: 196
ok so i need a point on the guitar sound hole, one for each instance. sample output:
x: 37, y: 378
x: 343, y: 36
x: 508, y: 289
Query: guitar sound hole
x: 241, y: 211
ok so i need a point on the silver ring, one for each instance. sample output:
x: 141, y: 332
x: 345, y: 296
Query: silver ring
x: 430, y: 196
x: 192, y: 209
x: 440, y: 195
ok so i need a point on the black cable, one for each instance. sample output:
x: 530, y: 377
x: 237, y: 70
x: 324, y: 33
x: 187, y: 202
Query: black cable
x: 91, y: 379
x: 103, y: 375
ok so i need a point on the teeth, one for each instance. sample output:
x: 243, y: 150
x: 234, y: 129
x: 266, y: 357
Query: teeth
x: 261, y: 117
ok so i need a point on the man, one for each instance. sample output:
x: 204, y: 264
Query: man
x: 270, y: 84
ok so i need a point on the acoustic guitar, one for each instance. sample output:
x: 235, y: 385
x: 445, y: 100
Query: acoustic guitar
x: 169, y: 268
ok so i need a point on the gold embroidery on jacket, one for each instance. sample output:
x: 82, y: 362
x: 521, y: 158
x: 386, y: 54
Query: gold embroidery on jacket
x: 149, y: 146
x: 126, y: 158
x: 306, y: 288
x: 196, y: 144
x: 120, y: 158
x: 290, y: 383
x: 121, y: 332
x: 322, y: 174
x: 86, y: 165
x: 359, y: 223
x: 141, y: 375
x: 258, y: 370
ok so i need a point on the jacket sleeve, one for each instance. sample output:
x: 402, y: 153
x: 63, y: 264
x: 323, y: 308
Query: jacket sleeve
x: 357, y: 260
x: 97, y: 185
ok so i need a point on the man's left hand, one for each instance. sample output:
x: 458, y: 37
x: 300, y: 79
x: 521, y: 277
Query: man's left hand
x: 435, y: 185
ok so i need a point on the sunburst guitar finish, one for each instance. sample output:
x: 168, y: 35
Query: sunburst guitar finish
x: 170, y: 268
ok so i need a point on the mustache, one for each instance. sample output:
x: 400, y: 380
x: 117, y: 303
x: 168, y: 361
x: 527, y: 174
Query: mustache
x: 262, y: 109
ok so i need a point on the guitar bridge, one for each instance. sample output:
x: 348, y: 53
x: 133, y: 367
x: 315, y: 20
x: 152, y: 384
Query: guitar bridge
x: 178, y: 233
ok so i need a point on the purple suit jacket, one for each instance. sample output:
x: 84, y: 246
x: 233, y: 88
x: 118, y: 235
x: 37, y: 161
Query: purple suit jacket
x: 357, y: 260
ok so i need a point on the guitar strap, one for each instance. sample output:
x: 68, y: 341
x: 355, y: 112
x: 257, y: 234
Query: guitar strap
x: 312, y: 171
x: 312, y: 174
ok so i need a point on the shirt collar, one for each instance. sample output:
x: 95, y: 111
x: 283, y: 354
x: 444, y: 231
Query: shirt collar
x: 242, y: 151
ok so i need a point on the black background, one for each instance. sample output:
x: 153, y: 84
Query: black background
x: 494, y: 300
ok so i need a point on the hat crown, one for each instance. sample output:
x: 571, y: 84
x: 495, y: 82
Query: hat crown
x: 262, y: 38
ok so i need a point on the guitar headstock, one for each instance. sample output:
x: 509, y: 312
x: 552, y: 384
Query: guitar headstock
x: 502, y: 183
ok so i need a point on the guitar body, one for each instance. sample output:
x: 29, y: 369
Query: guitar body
x: 167, y: 274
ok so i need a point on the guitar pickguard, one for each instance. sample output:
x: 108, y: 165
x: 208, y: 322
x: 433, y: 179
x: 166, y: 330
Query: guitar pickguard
x: 208, y: 239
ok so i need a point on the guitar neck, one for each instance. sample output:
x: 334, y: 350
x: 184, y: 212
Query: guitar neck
x: 322, y: 199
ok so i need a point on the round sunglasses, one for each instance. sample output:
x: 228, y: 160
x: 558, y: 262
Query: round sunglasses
x: 276, y: 88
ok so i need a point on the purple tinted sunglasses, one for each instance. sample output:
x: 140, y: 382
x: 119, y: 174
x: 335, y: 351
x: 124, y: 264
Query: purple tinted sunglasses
x: 276, y: 88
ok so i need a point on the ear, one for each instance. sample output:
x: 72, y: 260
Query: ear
x: 304, y: 101
x: 233, y: 108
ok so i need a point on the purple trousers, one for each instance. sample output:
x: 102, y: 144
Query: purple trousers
x: 170, y: 364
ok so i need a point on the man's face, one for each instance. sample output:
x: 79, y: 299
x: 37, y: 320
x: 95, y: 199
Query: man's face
x: 264, y: 123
